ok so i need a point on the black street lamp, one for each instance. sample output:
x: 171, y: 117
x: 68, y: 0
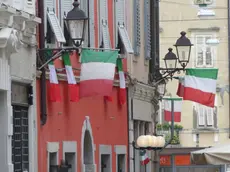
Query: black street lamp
x: 183, y: 49
x: 76, y: 21
x: 170, y: 60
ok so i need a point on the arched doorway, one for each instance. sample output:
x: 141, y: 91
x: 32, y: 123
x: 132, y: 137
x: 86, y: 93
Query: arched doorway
x: 87, y: 147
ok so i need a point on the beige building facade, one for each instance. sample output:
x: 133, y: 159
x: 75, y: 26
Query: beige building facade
x: 203, y: 21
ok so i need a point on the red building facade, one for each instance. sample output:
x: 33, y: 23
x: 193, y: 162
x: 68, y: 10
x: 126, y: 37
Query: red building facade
x: 92, y: 134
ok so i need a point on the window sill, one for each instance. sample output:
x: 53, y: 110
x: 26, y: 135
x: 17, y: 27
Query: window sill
x: 205, y: 130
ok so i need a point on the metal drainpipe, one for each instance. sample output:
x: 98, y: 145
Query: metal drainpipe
x: 43, y: 114
x: 128, y: 152
x: 88, y: 24
x: 229, y: 56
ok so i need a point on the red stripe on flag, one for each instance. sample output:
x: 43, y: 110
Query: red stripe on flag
x: 54, y: 92
x: 177, y: 116
x: 198, y: 96
x: 96, y: 87
x: 180, y: 90
x: 73, y: 92
x: 146, y: 161
x: 122, y: 96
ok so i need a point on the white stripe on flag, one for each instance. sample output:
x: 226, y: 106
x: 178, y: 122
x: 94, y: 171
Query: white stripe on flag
x: 122, y: 79
x: 53, y: 74
x: 203, y: 84
x: 177, y: 105
x: 97, y: 70
x: 70, y: 76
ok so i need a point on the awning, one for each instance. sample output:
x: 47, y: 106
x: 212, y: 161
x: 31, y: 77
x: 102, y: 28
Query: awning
x: 217, y: 155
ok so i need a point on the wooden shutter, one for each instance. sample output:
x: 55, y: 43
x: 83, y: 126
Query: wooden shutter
x: 201, y: 116
x: 200, y: 51
x: 120, y: 23
x: 209, y: 54
x: 55, y: 26
x: 136, y: 24
x: 195, y: 115
x: 147, y: 29
x: 105, y: 35
x: 65, y: 7
x: 210, y: 116
x: 92, y: 23
x: 103, y: 21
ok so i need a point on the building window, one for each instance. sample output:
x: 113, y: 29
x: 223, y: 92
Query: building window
x: 105, y: 158
x: 20, y: 139
x: 122, y: 40
x: 204, y: 53
x: 206, y: 117
x: 52, y: 158
x: 70, y: 154
x: 120, y: 158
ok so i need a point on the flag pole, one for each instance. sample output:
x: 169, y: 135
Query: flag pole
x: 172, y: 120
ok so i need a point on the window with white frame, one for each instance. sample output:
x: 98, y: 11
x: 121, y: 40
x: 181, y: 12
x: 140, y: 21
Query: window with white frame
x: 204, y: 53
x: 206, y: 117
x: 122, y: 40
x: 53, y: 30
x: 104, y: 36
x: 52, y: 158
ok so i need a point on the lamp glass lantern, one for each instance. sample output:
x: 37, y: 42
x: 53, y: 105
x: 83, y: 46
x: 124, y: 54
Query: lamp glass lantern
x: 170, y: 60
x: 183, y: 47
x: 161, y: 88
x: 76, y: 21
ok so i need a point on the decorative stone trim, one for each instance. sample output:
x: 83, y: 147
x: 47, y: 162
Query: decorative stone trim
x: 214, y: 29
x: 143, y: 91
x: 87, y: 127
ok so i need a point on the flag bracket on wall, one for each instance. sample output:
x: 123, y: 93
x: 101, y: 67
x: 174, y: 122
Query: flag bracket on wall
x: 43, y: 56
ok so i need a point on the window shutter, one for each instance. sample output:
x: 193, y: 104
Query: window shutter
x: 147, y: 30
x: 105, y: 35
x: 92, y: 23
x: 210, y: 119
x: 200, y: 43
x: 65, y: 7
x: 194, y: 117
x: 137, y: 33
x: 55, y: 26
x: 49, y: 5
x: 201, y: 115
x: 103, y: 11
x: 208, y: 53
x: 120, y: 23
x: 120, y: 12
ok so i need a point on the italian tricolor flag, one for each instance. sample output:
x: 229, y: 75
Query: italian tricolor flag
x: 54, y: 87
x: 177, y: 102
x: 180, y: 90
x: 200, y: 86
x: 72, y: 84
x: 122, y: 91
x: 144, y: 157
x: 97, y: 72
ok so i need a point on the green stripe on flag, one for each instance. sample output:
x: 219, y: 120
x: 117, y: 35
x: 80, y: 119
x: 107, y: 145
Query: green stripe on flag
x: 175, y: 99
x: 119, y: 64
x: 203, y: 73
x: 66, y: 59
x: 50, y: 55
x: 88, y: 56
